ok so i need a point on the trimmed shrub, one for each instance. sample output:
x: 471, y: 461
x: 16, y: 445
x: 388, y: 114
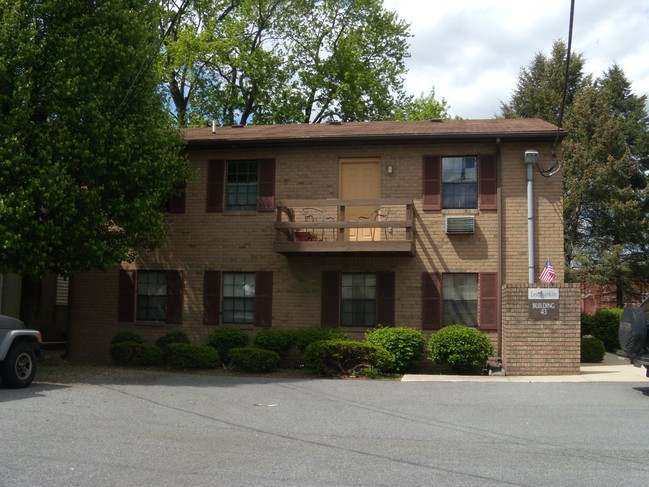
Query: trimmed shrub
x: 307, y: 336
x: 459, y: 346
x: 177, y: 336
x: 586, y: 320
x: 134, y: 353
x: 254, y: 359
x: 592, y: 350
x: 192, y: 356
x: 336, y: 357
x: 405, y: 344
x: 226, y: 337
x: 278, y: 341
x: 605, y: 326
x: 126, y: 337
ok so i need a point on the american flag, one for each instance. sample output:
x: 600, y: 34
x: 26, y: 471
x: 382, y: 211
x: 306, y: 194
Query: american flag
x: 547, y: 274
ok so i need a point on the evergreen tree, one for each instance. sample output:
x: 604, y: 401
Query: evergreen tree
x: 539, y: 91
x: 605, y: 158
x: 606, y: 199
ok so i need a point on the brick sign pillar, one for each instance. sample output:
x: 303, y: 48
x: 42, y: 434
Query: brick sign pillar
x: 541, y: 331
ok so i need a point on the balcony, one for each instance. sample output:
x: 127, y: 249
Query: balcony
x: 345, y: 226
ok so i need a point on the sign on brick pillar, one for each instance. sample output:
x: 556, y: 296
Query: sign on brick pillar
x: 541, y: 329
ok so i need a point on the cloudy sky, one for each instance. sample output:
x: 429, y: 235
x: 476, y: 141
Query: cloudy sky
x: 471, y: 51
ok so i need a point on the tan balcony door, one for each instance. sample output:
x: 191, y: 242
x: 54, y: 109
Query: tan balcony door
x: 359, y: 180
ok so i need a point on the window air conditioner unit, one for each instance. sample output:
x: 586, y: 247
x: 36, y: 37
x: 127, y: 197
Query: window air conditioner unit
x: 462, y: 225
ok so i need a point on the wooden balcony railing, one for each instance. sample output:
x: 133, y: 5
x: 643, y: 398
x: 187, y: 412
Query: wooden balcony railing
x: 339, y: 226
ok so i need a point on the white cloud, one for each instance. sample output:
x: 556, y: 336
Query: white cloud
x: 471, y: 51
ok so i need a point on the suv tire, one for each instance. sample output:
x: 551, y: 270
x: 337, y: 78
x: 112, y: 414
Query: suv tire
x: 19, y: 366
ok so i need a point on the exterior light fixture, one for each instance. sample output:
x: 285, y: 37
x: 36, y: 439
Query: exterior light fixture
x: 532, y: 157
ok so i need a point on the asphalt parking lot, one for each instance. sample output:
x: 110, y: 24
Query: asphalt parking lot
x: 189, y: 430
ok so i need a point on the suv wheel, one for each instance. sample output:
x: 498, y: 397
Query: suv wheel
x: 19, y: 367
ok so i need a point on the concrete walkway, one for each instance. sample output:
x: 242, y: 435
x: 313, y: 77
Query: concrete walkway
x: 612, y: 369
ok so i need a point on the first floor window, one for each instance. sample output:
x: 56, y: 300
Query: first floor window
x: 358, y: 299
x: 238, y: 297
x: 460, y: 299
x: 460, y: 182
x: 241, y: 186
x: 151, y: 295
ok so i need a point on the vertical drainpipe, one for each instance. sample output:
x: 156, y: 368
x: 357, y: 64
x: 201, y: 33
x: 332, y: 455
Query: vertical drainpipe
x: 499, y: 211
x: 530, y: 222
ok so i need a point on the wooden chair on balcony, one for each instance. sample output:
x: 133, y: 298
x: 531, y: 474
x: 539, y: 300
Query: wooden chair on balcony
x: 378, y: 214
x: 315, y: 216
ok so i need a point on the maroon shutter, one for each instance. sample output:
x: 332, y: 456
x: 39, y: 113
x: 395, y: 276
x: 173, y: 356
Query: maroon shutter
x: 487, y: 182
x: 432, y: 181
x: 212, y: 297
x: 266, y: 190
x: 126, y: 298
x: 431, y: 300
x: 330, y: 302
x: 385, y: 291
x: 215, y: 185
x: 174, y: 297
x: 488, y: 301
x: 263, y: 299
x: 176, y: 203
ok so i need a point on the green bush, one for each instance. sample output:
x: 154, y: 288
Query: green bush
x: 307, y: 336
x: 405, y: 344
x: 134, y: 353
x: 335, y: 357
x: 604, y: 325
x: 586, y: 320
x: 278, y: 341
x: 226, y: 337
x: 126, y: 337
x: 254, y: 359
x: 177, y: 336
x: 192, y: 356
x: 460, y: 346
x: 592, y: 350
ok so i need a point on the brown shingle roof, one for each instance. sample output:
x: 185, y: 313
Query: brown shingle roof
x: 348, y: 131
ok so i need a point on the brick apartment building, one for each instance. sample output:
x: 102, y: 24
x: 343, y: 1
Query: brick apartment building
x: 418, y: 224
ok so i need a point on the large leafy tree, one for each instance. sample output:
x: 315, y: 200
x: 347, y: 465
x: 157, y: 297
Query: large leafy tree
x: 423, y: 107
x: 189, y: 29
x: 285, y: 61
x: 605, y: 157
x: 87, y: 155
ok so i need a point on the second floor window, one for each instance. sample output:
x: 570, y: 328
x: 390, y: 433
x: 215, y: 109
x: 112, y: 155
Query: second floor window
x: 460, y: 182
x: 241, y: 186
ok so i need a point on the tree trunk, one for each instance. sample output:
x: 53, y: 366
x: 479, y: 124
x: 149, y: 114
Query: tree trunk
x: 619, y: 294
x: 30, y: 302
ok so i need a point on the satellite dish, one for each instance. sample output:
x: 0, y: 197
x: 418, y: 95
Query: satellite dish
x: 633, y: 330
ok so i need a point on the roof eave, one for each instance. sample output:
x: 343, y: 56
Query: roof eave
x: 219, y: 141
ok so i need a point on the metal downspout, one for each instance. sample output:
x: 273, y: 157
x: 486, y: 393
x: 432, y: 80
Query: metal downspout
x: 530, y: 222
x: 500, y: 246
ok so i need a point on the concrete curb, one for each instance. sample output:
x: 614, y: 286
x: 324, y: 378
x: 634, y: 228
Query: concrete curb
x: 612, y: 369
